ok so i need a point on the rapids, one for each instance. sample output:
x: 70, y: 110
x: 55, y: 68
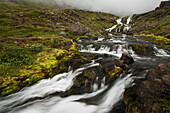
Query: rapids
x: 43, y: 97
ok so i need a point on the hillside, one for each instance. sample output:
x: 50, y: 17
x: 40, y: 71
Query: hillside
x: 36, y: 41
x: 154, y: 26
x: 155, y: 22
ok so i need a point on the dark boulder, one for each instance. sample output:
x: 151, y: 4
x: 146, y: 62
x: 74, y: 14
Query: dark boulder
x: 107, y: 67
x: 127, y: 58
x: 79, y: 29
x: 153, y: 93
x: 109, y: 64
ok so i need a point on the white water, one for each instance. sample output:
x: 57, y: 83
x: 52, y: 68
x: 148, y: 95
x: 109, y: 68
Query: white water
x: 106, y: 50
x: 119, y: 23
x: 160, y: 52
x: 127, y: 25
x: 72, y: 104
x: 20, y: 102
x: 113, y: 27
x: 110, y: 29
x: 59, y: 83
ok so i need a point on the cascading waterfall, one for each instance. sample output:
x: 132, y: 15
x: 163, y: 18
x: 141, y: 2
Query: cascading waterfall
x: 72, y: 104
x: 120, y: 25
x: 127, y: 25
x: 42, y: 98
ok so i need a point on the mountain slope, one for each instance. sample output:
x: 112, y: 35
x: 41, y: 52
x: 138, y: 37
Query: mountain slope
x: 155, y: 22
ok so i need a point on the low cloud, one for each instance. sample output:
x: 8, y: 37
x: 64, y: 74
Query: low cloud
x: 117, y: 7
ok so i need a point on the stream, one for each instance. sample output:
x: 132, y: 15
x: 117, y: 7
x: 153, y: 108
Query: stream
x: 39, y: 97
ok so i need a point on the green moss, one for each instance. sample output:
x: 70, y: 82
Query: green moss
x: 129, y: 98
x: 164, y: 105
x: 90, y: 73
x: 36, y: 47
x: 34, y: 78
x: 42, y: 67
x: 155, y: 22
x: 78, y: 83
x: 114, y: 72
x: 13, y: 57
x: 35, y: 13
x: 162, y: 40
x: 138, y: 49
x: 10, y: 89
x: 92, y: 56
x: 34, y: 58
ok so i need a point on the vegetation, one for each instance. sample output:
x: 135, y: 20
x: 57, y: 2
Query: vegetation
x: 34, y: 41
x: 155, y: 22
x: 162, y: 40
x: 164, y: 105
x: 114, y: 72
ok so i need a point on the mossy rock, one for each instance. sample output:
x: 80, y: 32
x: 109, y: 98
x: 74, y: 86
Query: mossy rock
x: 92, y: 56
x: 129, y: 99
x: 138, y: 49
x: 164, y: 105
x: 114, y: 72
x: 90, y: 73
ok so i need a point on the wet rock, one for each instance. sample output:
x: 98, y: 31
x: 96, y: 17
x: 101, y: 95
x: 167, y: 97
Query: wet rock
x: 115, y: 62
x: 152, y: 94
x: 107, y: 67
x: 127, y: 58
x: 77, y: 62
x: 143, y: 49
x: 79, y: 29
x: 92, y: 56
x: 119, y: 63
x: 118, y: 108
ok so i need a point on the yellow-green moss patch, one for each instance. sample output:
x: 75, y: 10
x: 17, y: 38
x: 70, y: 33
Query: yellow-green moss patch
x: 115, y: 71
x: 162, y: 40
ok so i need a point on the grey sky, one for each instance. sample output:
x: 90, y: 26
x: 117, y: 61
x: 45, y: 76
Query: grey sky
x: 117, y: 7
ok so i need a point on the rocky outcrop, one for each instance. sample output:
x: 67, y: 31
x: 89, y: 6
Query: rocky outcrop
x: 154, y: 91
x: 152, y: 94
x: 143, y: 49
x: 97, y: 77
x: 164, y: 4
x: 127, y: 58
x: 79, y: 29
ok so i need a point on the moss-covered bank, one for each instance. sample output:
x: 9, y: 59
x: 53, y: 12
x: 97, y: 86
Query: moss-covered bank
x: 155, y: 22
x: 154, y: 25
x: 47, y: 63
x: 36, y: 42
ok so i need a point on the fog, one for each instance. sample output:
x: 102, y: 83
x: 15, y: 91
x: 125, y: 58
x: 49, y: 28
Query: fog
x: 117, y: 7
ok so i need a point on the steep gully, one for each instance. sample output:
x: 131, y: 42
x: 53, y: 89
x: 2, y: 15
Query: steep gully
x: 39, y: 97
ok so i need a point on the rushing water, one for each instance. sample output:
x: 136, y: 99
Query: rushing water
x: 42, y: 97
x: 126, y: 26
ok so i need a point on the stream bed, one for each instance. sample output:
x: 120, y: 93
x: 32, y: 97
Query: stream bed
x: 40, y: 97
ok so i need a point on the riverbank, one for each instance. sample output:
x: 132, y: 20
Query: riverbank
x: 36, y: 41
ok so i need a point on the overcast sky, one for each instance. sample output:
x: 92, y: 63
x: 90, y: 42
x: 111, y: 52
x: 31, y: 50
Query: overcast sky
x: 117, y: 7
